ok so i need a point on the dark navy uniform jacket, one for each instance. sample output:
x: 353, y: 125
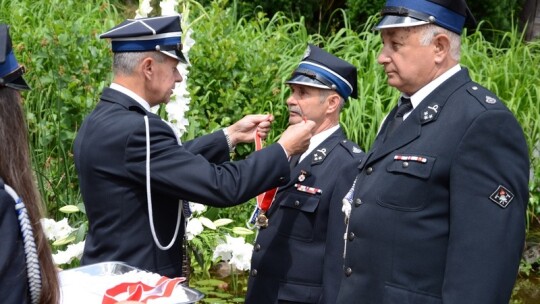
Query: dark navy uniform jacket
x: 448, y: 226
x: 13, y: 278
x: 110, y: 157
x: 299, y: 256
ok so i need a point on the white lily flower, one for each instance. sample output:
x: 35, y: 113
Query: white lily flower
x: 242, y: 257
x: 194, y: 227
x: 197, y: 208
x: 144, y: 9
x: 168, y: 7
x: 73, y: 251
x: 235, y: 251
x: 56, y: 230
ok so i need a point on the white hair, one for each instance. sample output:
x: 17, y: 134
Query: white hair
x: 429, y: 31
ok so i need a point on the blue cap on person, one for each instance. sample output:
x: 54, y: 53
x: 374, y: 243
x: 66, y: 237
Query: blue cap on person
x: 161, y: 34
x: 10, y: 70
x: 449, y: 14
x: 323, y: 70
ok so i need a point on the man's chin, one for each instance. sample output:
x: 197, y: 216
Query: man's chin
x: 294, y: 119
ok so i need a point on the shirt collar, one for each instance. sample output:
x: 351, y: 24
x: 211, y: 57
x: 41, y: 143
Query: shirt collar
x: 130, y: 93
x: 417, y: 97
x: 317, y: 139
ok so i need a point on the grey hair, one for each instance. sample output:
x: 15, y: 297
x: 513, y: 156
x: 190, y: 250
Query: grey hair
x: 429, y: 31
x: 124, y: 63
x: 325, y: 93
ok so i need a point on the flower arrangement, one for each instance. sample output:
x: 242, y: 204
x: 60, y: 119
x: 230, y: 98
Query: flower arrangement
x: 61, y: 235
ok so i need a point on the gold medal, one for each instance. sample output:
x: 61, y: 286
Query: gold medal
x: 262, y: 220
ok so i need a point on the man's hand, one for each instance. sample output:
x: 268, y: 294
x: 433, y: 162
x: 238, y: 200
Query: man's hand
x: 242, y: 130
x: 295, y: 140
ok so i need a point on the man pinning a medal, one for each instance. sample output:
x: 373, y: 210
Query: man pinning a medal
x: 297, y: 255
x: 133, y: 172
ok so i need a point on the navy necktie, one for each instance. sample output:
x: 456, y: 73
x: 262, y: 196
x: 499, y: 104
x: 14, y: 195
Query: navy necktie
x: 294, y: 160
x: 404, y: 107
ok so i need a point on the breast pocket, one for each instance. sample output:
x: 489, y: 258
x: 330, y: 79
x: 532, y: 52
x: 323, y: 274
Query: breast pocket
x: 407, y: 182
x: 297, y: 213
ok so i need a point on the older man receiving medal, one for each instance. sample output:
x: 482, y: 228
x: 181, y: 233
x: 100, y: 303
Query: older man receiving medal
x: 297, y: 256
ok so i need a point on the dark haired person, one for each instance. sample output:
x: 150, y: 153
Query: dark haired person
x: 27, y: 271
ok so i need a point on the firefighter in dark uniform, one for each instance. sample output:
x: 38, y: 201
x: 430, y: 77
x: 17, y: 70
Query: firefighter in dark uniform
x: 439, y: 204
x: 132, y: 170
x: 298, y: 257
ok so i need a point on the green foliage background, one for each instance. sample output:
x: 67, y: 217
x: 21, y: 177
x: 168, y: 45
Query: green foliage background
x: 239, y: 64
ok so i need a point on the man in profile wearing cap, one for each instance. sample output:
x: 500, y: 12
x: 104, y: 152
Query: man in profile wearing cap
x: 439, y: 203
x: 132, y: 170
x: 298, y: 253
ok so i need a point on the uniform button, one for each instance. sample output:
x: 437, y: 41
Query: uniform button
x: 297, y: 203
x: 405, y: 164
x: 257, y: 247
x: 281, y: 179
x: 369, y: 170
x: 351, y: 236
x: 254, y: 272
x: 348, y: 271
x: 357, y: 202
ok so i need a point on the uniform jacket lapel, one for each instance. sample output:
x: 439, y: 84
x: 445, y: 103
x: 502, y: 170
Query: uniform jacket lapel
x: 310, y: 162
x: 411, y: 129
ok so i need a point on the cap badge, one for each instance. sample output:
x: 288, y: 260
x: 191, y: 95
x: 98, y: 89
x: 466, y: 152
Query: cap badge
x: 502, y: 196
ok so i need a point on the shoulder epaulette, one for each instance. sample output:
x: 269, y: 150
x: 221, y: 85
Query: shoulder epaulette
x: 352, y: 148
x: 484, y: 96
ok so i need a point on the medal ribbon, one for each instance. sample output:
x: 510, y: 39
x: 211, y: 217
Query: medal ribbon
x: 264, y: 200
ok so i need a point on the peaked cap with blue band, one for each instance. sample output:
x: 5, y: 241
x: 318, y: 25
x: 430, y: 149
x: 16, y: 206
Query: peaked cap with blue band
x: 449, y: 14
x: 323, y: 70
x: 161, y: 34
x: 10, y: 70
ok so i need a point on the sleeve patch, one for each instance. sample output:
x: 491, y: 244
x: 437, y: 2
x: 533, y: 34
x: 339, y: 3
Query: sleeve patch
x: 502, y: 196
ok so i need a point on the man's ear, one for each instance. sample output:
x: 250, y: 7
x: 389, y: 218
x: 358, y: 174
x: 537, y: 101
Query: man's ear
x: 147, y: 67
x: 333, y: 102
x: 441, y: 43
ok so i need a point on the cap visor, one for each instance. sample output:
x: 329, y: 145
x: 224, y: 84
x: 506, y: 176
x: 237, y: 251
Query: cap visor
x: 18, y: 84
x: 307, y: 81
x: 178, y: 55
x: 391, y: 21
